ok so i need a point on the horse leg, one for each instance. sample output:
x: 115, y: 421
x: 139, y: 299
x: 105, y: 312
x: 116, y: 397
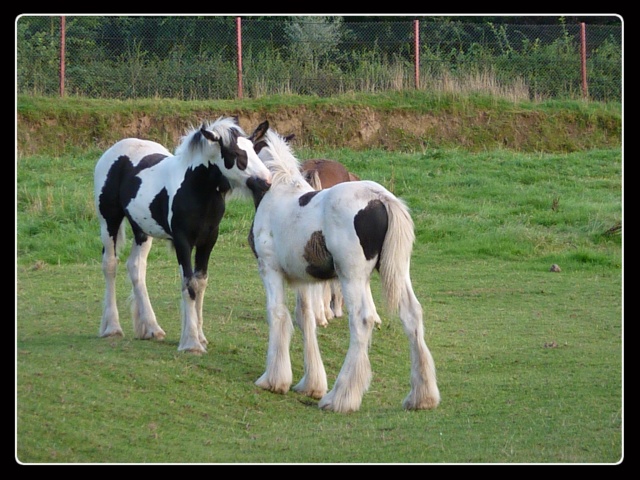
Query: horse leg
x: 145, y: 325
x: 192, y: 289
x: 314, y: 381
x: 355, y: 375
x: 424, y: 392
x: 325, y: 307
x: 203, y: 252
x: 110, y: 323
x: 317, y: 303
x: 278, y: 375
x: 202, y: 280
x: 190, y: 337
x: 336, y: 298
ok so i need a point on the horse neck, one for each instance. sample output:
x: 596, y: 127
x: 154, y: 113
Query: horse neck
x: 206, y: 157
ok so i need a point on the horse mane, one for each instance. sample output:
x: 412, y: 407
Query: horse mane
x: 313, y: 178
x: 193, y: 141
x: 280, y: 160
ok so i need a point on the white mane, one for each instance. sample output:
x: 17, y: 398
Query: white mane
x: 193, y: 141
x: 281, y: 162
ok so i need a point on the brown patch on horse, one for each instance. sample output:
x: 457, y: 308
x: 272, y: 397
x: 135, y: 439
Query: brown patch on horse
x: 319, y: 259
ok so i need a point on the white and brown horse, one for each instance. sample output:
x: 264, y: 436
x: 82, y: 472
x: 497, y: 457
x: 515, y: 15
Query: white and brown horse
x: 302, y: 236
x: 180, y: 198
x: 323, y: 173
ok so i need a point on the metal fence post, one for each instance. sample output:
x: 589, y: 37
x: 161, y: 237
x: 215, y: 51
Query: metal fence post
x: 62, y: 54
x: 239, y: 43
x: 583, y: 60
x: 416, y: 47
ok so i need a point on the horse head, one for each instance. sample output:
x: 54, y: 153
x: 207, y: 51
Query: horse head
x: 237, y: 159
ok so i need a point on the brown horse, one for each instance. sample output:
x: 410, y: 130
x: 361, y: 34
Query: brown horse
x: 323, y: 173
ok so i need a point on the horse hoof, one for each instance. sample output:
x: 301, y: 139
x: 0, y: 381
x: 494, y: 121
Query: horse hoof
x: 159, y: 336
x: 152, y: 335
x: 114, y: 333
x: 281, y: 388
x: 316, y: 394
x: 428, y: 403
x: 196, y: 349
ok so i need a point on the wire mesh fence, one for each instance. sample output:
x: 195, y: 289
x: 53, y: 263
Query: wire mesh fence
x: 222, y: 57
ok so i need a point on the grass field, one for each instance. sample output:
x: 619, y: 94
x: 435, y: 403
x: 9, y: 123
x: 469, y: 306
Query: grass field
x: 529, y: 361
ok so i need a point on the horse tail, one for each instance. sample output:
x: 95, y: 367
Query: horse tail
x: 395, y: 257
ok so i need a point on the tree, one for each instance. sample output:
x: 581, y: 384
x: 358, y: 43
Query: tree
x: 312, y: 39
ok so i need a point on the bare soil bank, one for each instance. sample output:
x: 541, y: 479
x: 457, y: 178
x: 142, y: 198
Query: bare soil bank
x: 355, y: 127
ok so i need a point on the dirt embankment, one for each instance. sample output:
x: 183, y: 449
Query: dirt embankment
x: 353, y: 127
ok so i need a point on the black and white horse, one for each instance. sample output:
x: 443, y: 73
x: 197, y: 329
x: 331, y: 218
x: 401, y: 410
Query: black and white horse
x: 302, y: 236
x: 180, y: 198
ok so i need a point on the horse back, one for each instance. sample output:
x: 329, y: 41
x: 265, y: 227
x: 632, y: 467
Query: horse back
x: 329, y: 172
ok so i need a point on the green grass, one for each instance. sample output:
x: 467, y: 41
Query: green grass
x: 529, y: 373
x: 529, y: 361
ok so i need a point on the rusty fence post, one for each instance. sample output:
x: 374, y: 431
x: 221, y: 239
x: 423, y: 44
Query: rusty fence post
x: 416, y: 48
x: 62, y: 53
x: 239, y: 43
x: 583, y: 60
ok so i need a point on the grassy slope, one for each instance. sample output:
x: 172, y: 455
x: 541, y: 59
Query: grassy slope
x: 408, y: 121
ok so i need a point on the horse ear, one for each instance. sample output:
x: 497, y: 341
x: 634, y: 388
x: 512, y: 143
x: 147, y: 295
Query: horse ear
x: 209, y: 135
x: 259, y: 132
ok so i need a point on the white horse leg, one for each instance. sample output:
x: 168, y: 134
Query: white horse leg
x: 326, y: 302
x: 424, y: 392
x: 278, y: 374
x: 191, y: 313
x: 316, y: 303
x: 336, y: 298
x: 110, y: 323
x: 145, y: 325
x: 355, y: 375
x: 202, y: 280
x: 314, y: 381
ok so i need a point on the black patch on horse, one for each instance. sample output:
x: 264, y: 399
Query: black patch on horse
x: 233, y: 154
x: 160, y: 209
x: 371, y: 225
x: 258, y: 146
x: 149, y: 161
x: 118, y: 192
x: 198, y: 205
x: 218, y: 180
x: 306, y: 198
x: 319, y: 259
x: 109, y: 203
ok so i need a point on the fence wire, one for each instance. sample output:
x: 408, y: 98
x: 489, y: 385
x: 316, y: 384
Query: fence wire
x: 197, y: 58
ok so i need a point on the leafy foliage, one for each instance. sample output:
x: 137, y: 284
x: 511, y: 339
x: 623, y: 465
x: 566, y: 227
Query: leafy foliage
x: 195, y: 57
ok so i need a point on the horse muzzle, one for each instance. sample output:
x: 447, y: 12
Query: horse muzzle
x: 258, y: 187
x: 258, y: 184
